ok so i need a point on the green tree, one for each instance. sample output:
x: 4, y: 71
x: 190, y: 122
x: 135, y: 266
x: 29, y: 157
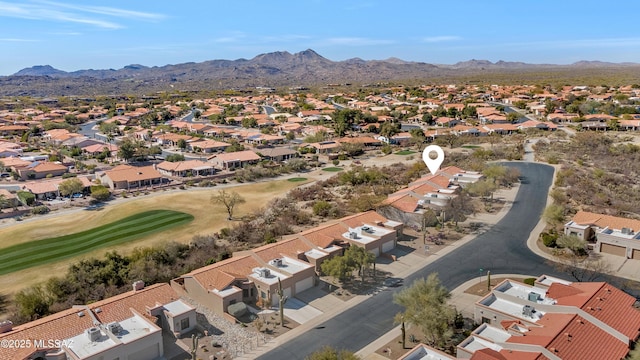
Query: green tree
x: 26, y: 197
x: 229, y: 200
x: 482, y: 188
x: 70, y: 187
x: 553, y: 214
x: 495, y: 172
x: 512, y: 117
x: 577, y: 245
x: 388, y: 129
x: 175, y: 157
x: 32, y: 303
x: 249, y: 122
x: 4, y: 202
x: 360, y: 258
x: 182, y: 144
x: 100, y: 192
x: 425, y: 305
x: 338, y: 267
x: 329, y: 353
x: 108, y: 128
x: 127, y: 150
x: 428, y: 118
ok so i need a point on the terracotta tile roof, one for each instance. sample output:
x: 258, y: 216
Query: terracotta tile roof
x: 209, y: 144
x: 45, y: 186
x: 96, y: 148
x: 222, y: 274
x: 440, y: 181
x: 602, y: 221
x: 368, y: 217
x: 325, y: 236
x: 246, y: 155
x: 67, y: 323
x: 291, y: 248
x: 47, y: 166
x: 183, y: 165
x: 132, y: 173
x: 615, y: 308
x: 580, y: 339
x: 405, y: 203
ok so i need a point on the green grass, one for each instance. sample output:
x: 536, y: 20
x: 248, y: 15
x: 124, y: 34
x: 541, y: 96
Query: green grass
x: 332, y: 169
x: 39, y: 252
x: 405, y: 152
x: 296, y: 179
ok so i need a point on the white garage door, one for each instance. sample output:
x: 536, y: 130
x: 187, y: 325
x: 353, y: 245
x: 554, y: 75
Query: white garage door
x: 388, y: 246
x: 375, y: 252
x: 303, y: 285
x: 275, y: 299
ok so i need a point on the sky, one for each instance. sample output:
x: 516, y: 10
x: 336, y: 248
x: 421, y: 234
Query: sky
x: 73, y: 35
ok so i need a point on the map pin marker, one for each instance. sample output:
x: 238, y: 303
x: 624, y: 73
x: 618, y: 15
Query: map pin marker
x: 433, y: 164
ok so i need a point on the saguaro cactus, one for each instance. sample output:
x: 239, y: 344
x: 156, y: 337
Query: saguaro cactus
x: 282, y: 300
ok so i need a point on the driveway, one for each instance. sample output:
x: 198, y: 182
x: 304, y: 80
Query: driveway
x: 299, y: 311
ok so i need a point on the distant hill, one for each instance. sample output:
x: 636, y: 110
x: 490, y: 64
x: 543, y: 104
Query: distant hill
x: 274, y: 69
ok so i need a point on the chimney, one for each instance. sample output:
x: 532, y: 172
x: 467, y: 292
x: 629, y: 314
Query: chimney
x: 5, y: 326
x: 138, y: 285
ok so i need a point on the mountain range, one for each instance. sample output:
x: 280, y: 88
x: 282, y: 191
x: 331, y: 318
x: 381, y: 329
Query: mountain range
x: 305, y: 68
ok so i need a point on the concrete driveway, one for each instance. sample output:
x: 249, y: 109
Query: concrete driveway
x: 299, y: 311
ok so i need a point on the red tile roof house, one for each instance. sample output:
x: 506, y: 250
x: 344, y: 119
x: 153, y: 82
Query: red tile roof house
x: 554, y: 319
x: 186, y: 168
x: 126, y: 326
x: 40, y: 170
x: 127, y: 177
x: 48, y: 189
x: 252, y: 275
x: 613, y: 235
x: 233, y: 160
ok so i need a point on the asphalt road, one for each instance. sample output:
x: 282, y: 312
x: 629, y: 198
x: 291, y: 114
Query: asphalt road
x: 502, y: 249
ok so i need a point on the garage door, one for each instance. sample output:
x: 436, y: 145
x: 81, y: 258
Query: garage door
x: 275, y: 299
x: 375, y: 252
x: 303, y: 285
x: 613, y: 249
x: 635, y: 254
x: 388, y: 246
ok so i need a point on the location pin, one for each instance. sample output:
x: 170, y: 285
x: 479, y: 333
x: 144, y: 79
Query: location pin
x: 433, y: 164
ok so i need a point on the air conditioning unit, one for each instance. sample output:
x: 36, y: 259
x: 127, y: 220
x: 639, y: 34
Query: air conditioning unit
x: 626, y: 231
x: 353, y: 235
x: 276, y: 262
x: 534, y: 296
x: 265, y: 273
x: 93, y: 333
x: 528, y: 310
x: 114, y: 327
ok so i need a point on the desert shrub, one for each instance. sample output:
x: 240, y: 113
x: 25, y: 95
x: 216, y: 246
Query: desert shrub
x: 40, y: 210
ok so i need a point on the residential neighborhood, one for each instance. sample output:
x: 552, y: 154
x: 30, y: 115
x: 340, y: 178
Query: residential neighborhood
x: 61, y: 158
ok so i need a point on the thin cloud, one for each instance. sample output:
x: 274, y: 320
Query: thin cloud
x: 445, y: 38
x: 17, y: 40
x: 55, y: 11
x: 109, y: 11
x: 357, y: 41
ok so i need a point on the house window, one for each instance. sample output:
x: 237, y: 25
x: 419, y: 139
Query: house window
x: 251, y: 292
x: 184, y: 323
x: 486, y: 320
x: 263, y: 295
x: 245, y: 293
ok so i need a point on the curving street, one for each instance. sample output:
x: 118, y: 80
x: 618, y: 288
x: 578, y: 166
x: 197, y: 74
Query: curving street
x: 502, y: 249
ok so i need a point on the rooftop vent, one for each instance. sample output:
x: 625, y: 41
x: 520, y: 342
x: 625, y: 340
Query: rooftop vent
x: 81, y: 314
x: 265, y: 273
x: 277, y: 262
x: 114, y: 327
x: 93, y: 333
x: 98, y: 310
x: 534, y: 296
x: 5, y: 326
x: 627, y: 231
x: 528, y: 310
x: 353, y: 235
x: 138, y: 285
